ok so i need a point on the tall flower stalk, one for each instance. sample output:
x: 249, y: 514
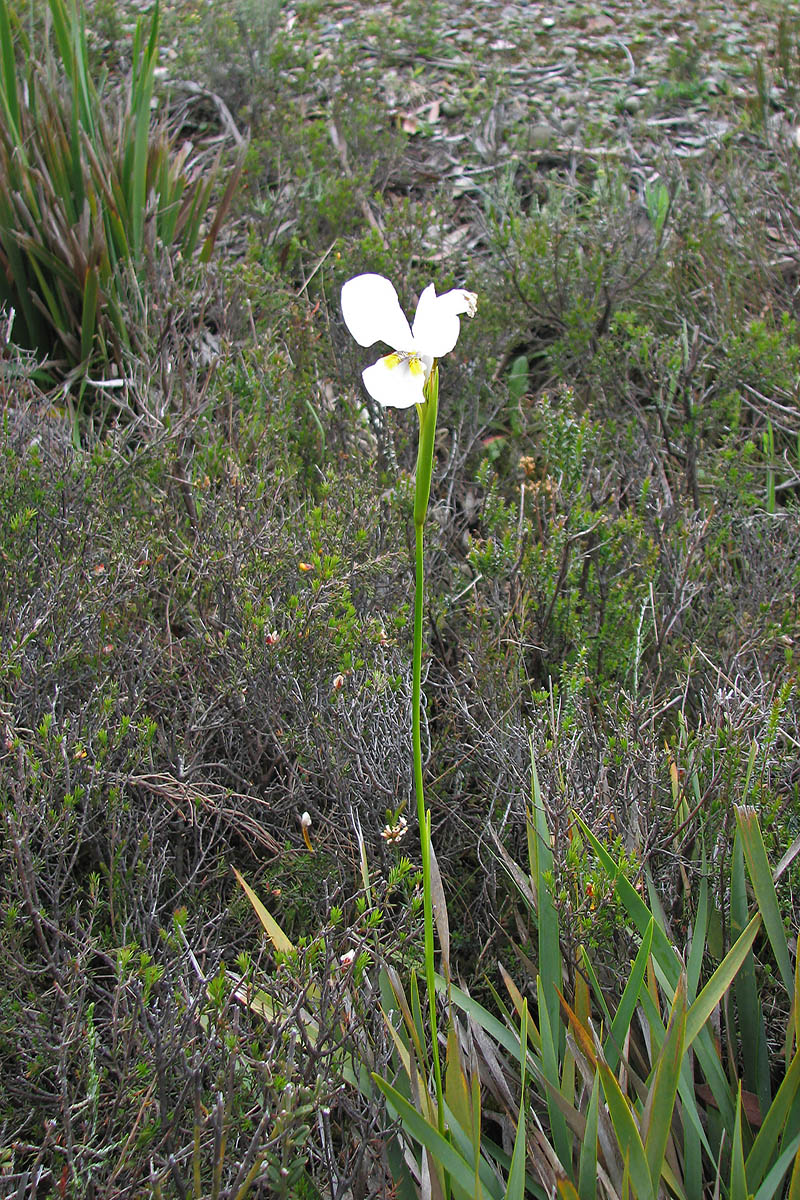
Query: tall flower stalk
x: 427, y: 430
x: 410, y: 376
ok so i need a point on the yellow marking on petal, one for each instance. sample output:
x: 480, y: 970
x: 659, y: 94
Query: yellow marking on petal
x: 392, y: 360
x: 415, y: 366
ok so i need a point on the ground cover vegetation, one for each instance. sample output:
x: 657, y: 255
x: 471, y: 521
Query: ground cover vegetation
x: 206, y: 614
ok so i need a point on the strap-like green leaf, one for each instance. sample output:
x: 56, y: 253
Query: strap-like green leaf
x: 720, y: 981
x: 764, y: 888
x: 515, y: 1189
x: 507, y: 1038
x: 9, y: 97
x: 615, y: 1040
x: 769, y: 1188
x: 738, y: 1188
x: 430, y: 1138
x: 752, y: 1032
x: 670, y: 967
x: 276, y: 935
x: 587, y: 1166
x: 439, y: 905
x: 550, y: 1068
x: 630, y: 1143
x: 541, y: 877
x: 637, y: 910
x: 660, y: 1104
x: 697, y: 949
x: 566, y: 1190
x: 457, y: 1091
x: 91, y: 288
x: 772, y: 1124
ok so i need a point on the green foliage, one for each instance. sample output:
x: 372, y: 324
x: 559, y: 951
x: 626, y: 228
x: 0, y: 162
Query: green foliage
x: 205, y: 627
x: 683, y: 84
x: 92, y: 193
x: 659, y: 1125
x: 107, y: 784
x: 564, y: 553
x: 231, y: 47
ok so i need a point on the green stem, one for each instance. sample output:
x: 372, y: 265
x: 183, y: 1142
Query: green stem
x: 427, y: 431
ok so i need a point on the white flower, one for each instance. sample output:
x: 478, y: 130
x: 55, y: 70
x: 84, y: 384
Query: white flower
x: 305, y: 825
x: 393, y: 833
x: 372, y: 313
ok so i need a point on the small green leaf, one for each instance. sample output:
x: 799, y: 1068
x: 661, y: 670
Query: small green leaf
x: 518, y: 378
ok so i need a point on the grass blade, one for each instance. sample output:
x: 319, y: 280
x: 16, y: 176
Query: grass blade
x: 515, y: 1189
x: 276, y: 935
x: 661, y: 1100
x: 558, y: 1124
x: 764, y: 888
x: 720, y: 981
x: 587, y: 1167
x: 738, y: 1188
x: 612, y: 1047
x: 429, y: 1137
x: 752, y: 1033
x: 766, y: 1140
x: 630, y: 1143
x: 541, y: 862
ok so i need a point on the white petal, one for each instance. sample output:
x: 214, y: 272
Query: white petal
x: 436, y: 324
x: 372, y: 312
x: 396, y: 382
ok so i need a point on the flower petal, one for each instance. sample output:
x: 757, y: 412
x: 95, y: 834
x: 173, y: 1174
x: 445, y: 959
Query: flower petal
x: 436, y: 324
x: 396, y: 382
x: 372, y: 312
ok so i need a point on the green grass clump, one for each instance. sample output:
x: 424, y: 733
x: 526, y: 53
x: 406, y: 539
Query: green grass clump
x: 93, y: 193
